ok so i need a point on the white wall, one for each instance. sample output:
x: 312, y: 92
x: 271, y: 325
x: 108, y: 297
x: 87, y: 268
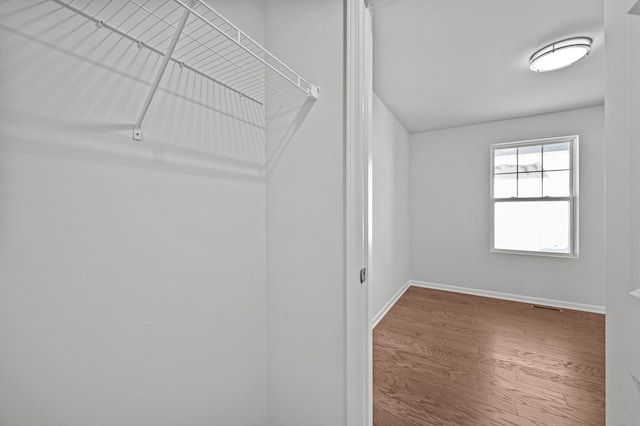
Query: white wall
x: 622, y: 95
x: 305, y: 223
x: 389, y: 262
x: 450, y: 211
x: 132, y: 286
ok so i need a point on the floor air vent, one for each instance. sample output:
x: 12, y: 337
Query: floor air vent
x: 546, y: 308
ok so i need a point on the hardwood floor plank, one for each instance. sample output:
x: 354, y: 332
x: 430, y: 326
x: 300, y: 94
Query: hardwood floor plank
x: 456, y: 358
x: 430, y: 397
x: 442, y: 380
x: 558, y: 365
x: 586, y: 400
x: 424, y: 336
x: 443, y: 358
x: 566, y: 384
x: 565, y: 416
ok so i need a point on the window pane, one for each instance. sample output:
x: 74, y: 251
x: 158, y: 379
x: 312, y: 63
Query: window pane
x: 556, y: 156
x: 556, y: 184
x: 530, y: 158
x: 532, y: 226
x: 529, y: 184
x: 505, y: 186
x: 505, y: 160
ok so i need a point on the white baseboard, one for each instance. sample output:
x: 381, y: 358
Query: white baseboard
x: 484, y: 293
x: 389, y: 305
x: 514, y: 297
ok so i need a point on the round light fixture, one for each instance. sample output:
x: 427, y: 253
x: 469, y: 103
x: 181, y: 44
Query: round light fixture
x: 560, y: 54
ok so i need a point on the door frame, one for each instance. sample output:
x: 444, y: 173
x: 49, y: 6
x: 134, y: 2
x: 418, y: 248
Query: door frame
x: 622, y: 206
x: 358, y: 95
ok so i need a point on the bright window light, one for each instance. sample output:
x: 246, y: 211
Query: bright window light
x: 534, y: 188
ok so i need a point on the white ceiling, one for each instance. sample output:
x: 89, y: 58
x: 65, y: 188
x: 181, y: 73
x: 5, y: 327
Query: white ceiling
x: 447, y: 63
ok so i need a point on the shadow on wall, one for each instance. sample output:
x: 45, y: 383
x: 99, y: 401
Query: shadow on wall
x: 67, y: 85
x: 283, y: 124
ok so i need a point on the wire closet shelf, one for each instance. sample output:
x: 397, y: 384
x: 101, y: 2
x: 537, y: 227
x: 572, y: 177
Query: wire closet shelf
x: 196, y: 37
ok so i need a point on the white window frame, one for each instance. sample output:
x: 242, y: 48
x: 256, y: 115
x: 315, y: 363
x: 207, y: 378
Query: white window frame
x: 572, y: 198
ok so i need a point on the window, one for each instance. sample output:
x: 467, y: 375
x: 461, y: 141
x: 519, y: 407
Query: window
x: 534, y: 190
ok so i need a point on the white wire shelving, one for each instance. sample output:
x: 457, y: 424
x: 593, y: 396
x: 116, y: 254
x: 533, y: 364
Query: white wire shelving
x: 198, y: 38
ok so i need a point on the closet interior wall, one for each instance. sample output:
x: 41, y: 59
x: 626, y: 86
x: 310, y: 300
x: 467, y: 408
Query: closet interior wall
x: 305, y: 221
x: 132, y: 273
x: 193, y: 277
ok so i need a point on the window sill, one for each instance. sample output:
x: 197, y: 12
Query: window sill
x: 535, y: 253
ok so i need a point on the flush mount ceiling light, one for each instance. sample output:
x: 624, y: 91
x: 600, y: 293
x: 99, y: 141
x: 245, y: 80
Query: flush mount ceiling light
x: 560, y: 54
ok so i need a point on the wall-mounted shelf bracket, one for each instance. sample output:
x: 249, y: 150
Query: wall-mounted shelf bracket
x: 314, y: 91
x: 137, y: 129
x: 137, y: 133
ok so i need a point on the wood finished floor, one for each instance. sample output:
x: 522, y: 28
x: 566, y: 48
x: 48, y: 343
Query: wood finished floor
x: 442, y: 358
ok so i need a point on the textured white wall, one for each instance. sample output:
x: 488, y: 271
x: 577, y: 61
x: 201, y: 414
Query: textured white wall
x: 132, y: 286
x: 450, y: 211
x: 389, y: 262
x: 305, y: 222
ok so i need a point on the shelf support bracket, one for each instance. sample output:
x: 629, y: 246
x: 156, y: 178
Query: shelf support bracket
x: 314, y: 92
x: 137, y: 128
